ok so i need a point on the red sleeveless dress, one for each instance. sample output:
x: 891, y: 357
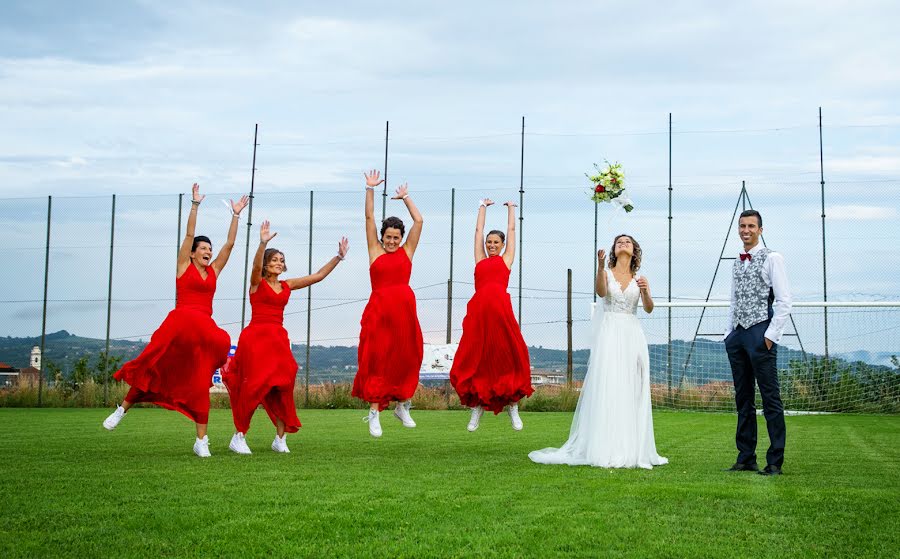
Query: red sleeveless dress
x: 390, y: 343
x: 175, y: 369
x: 264, y: 370
x: 491, y: 366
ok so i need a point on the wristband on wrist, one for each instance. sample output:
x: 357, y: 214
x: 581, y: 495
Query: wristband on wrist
x: 195, y: 202
x: 370, y: 187
x: 481, y: 203
x: 404, y: 197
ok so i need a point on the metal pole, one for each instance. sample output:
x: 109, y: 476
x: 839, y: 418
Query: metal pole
x: 309, y: 299
x: 450, y: 281
x: 569, y: 326
x: 249, y: 225
x: 824, y: 265
x: 112, y: 238
x: 44, y: 316
x: 387, y: 128
x: 594, y: 288
x: 669, y: 310
x: 178, y: 240
x: 521, y: 216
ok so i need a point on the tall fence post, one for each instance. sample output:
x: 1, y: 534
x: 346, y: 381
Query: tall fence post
x: 44, y: 315
x: 569, y: 327
x: 387, y: 128
x: 824, y: 254
x: 521, y: 254
x: 450, y: 281
x: 594, y: 289
x: 112, y: 238
x: 178, y: 240
x: 669, y: 309
x: 249, y: 226
x: 309, y: 302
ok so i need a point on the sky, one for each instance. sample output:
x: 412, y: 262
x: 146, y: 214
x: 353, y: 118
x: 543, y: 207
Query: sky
x: 141, y: 99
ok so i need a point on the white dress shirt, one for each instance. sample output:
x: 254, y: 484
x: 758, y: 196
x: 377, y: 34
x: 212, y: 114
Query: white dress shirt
x: 775, y: 276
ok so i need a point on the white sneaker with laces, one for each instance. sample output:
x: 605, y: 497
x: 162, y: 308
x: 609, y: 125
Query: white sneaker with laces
x: 201, y: 447
x: 514, y: 417
x: 114, y: 418
x: 238, y: 444
x: 280, y: 444
x: 401, y: 412
x: 477, y: 412
x: 374, y: 423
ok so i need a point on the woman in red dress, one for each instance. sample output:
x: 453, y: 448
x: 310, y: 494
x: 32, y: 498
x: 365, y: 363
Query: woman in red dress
x: 491, y: 369
x: 390, y: 342
x: 175, y: 369
x: 263, y: 370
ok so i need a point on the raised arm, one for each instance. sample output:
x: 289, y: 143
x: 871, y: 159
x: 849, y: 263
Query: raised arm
x: 510, y: 253
x: 225, y: 251
x: 415, y: 232
x: 479, y: 230
x: 184, y: 253
x: 256, y: 273
x: 646, y: 298
x: 373, y: 179
x: 600, y: 286
x: 305, y: 281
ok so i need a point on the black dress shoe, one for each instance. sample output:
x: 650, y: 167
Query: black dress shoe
x: 771, y: 470
x: 739, y: 467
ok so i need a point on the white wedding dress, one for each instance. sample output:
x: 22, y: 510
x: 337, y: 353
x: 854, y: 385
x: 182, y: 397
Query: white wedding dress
x: 613, y: 423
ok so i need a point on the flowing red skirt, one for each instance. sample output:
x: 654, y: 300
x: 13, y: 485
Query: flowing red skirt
x: 263, y: 371
x: 175, y: 369
x: 390, y: 347
x: 491, y: 366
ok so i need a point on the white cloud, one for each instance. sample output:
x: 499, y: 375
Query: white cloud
x: 866, y: 164
x: 860, y: 213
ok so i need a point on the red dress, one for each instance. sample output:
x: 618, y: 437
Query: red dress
x: 264, y: 370
x: 175, y: 369
x: 491, y: 367
x: 390, y: 343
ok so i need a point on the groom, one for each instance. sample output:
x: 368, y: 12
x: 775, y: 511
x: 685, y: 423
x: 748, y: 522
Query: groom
x: 760, y: 307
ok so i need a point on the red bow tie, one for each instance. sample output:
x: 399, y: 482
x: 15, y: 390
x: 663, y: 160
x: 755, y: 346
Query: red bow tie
x: 746, y: 256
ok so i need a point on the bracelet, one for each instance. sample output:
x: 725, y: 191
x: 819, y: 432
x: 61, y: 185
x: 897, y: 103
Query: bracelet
x: 235, y: 215
x: 370, y: 187
x: 404, y: 197
x: 339, y: 257
x: 481, y: 203
x: 195, y: 202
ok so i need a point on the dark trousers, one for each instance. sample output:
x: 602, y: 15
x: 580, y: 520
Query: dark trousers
x: 751, y: 360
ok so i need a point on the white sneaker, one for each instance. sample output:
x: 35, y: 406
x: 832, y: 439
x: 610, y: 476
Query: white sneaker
x: 201, y: 447
x: 401, y: 412
x: 477, y: 412
x: 514, y: 417
x: 238, y: 444
x: 114, y: 418
x: 280, y: 444
x: 374, y: 423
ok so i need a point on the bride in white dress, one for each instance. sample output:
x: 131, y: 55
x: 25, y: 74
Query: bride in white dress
x: 613, y: 423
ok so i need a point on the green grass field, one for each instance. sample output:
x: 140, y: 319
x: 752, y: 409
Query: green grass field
x: 72, y: 489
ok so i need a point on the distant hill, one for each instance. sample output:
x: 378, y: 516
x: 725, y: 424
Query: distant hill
x: 708, y: 361
x: 63, y: 349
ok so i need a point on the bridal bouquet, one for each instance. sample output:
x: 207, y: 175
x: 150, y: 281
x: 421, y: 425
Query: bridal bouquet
x: 609, y: 185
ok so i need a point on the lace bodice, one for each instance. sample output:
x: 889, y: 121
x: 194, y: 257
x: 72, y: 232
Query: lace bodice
x: 620, y: 301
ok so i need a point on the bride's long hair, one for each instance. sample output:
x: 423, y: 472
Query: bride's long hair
x: 635, y: 257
